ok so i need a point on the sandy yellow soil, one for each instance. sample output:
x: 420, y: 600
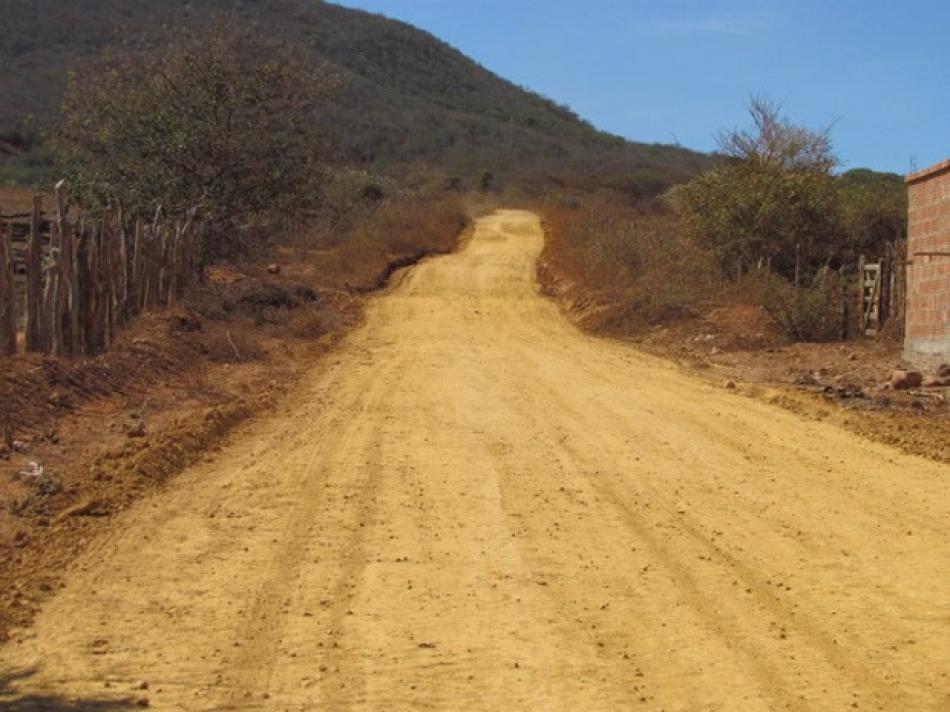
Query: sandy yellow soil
x: 474, y: 506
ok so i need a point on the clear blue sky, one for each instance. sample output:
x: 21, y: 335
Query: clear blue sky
x: 670, y: 71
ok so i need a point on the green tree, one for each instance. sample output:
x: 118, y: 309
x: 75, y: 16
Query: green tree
x: 217, y: 119
x: 771, y: 200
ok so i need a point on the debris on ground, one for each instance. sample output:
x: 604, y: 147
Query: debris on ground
x: 901, y: 379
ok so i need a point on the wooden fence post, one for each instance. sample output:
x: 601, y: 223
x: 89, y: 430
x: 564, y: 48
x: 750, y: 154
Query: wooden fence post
x: 122, y: 267
x: 164, y: 244
x: 35, y: 338
x: 95, y: 292
x: 860, y: 310
x: 8, y: 313
x: 68, y: 257
x: 87, y: 304
x: 52, y: 297
x: 135, y: 288
x: 107, y: 277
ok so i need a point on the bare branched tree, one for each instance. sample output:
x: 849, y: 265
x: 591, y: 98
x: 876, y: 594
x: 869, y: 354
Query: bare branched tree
x: 774, y: 141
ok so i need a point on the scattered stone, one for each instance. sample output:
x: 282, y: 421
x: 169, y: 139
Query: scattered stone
x: 806, y: 379
x: 141, y: 685
x: 944, y: 370
x: 844, y: 392
x: 31, y: 472
x: 142, y: 702
x: 936, y: 382
x: 136, y: 430
x: 731, y: 385
x: 88, y: 508
x: 59, y: 399
x: 273, y: 268
x: 901, y: 379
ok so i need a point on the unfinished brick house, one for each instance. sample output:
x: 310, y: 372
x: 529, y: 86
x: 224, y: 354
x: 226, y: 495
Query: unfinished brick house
x: 927, y: 339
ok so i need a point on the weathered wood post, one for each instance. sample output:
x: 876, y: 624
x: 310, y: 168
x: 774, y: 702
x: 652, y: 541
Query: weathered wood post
x: 68, y: 257
x: 107, y: 274
x: 138, y: 258
x: 148, y: 259
x: 87, y: 302
x: 861, y: 301
x: 52, y: 296
x: 35, y: 331
x: 167, y: 235
x: 94, y: 291
x: 8, y: 313
x: 122, y: 267
x: 52, y: 299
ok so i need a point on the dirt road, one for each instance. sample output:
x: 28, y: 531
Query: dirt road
x: 474, y: 506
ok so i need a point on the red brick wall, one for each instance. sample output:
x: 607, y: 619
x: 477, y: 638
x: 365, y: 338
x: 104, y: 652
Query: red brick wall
x: 928, y: 276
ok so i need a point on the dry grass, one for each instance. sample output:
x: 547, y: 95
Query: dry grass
x: 360, y: 250
x: 627, y: 265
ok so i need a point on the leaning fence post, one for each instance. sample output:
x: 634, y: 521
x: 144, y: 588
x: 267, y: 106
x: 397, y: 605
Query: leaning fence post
x: 8, y: 314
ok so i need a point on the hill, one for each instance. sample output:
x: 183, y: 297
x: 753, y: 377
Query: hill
x: 406, y: 96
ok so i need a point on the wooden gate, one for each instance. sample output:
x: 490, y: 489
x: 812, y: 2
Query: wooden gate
x: 883, y: 289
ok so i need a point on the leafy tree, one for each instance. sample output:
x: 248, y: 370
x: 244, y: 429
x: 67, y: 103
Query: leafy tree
x: 770, y: 201
x: 873, y: 210
x: 218, y: 119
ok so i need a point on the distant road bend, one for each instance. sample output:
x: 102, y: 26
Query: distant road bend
x: 475, y: 506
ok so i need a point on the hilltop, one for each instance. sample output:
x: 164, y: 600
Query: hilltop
x: 405, y: 97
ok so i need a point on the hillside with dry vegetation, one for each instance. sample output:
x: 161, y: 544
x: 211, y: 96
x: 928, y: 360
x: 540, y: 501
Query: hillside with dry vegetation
x: 404, y: 96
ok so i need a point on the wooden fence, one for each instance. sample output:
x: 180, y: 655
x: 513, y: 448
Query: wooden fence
x: 70, y: 280
x: 883, y: 289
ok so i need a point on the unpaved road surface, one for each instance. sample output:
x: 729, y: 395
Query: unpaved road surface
x: 474, y: 506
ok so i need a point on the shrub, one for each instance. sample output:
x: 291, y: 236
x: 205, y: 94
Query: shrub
x: 813, y: 312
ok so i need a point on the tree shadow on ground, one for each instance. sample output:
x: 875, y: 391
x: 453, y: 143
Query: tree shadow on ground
x: 12, y: 701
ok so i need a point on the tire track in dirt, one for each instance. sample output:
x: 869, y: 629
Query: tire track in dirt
x: 261, y: 636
